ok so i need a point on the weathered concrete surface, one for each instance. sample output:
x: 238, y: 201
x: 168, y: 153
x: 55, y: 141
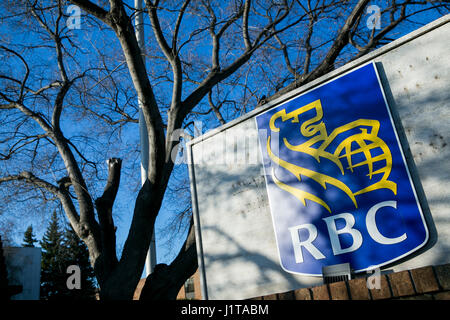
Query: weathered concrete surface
x: 418, y: 77
x: 233, y: 221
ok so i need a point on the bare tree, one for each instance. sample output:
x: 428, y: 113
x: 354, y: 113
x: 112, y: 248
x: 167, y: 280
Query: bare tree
x: 206, y: 54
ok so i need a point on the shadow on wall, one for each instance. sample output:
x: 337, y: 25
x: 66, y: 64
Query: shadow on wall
x: 422, y: 106
x: 423, y: 134
x: 230, y: 258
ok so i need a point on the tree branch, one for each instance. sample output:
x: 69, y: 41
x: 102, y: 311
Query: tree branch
x: 177, y: 25
x: 92, y: 9
x: 25, y: 78
x: 215, y: 108
x: 245, y: 33
x: 60, y: 191
x: 374, y: 40
x: 19, y: 145
x: 124, y: 30
x: 31, y: 178
x: 156, y: 26
x: 341, y: 40
x: 165, y: 282
x: 58, y: 106
x: 35, y: 116
x: 104, y: 205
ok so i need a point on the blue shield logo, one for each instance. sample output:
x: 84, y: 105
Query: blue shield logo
x: 338, y: 185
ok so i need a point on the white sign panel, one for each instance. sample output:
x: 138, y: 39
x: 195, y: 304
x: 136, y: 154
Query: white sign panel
x: 236, y: 241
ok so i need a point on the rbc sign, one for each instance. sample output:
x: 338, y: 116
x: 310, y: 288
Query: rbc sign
x: 338, y: 185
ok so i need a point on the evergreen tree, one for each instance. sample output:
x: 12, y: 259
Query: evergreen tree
x: 60, y: 249
x: 76, y: 253
x: 53, y: 273
x: 3, y: 275
x: 28, y: 238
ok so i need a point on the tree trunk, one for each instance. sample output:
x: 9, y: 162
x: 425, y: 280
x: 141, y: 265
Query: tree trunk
x: 165, y: 282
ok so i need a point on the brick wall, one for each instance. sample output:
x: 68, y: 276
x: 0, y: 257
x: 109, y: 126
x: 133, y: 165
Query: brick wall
x: 181, y: 294
x: 140, y: 286
x: 198, y: 295
x: 426, y: 283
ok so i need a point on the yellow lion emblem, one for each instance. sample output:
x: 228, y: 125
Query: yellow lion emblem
x: 317, y: 145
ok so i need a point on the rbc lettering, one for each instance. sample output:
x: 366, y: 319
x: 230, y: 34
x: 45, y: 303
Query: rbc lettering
x: 334, y: 233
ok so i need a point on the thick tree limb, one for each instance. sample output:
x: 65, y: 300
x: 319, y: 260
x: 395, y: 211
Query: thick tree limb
x: 178, y: 24
x: 122, y: 281
x: 112, y: 184
x: 38, y: 117
x: 124, y: 30
x: 92, y: 9
x: 104, y: 205
x: 172, y: 56
x: 156, y: 26
x: 59, y: 191
x: 31, y: 178
x: 165, y: 282
x: 245, y: 34
x: 341, y: 40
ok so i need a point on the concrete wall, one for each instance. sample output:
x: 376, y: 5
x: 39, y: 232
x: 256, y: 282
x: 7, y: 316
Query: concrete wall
x: 235, y: 239
x: 24, y: 268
